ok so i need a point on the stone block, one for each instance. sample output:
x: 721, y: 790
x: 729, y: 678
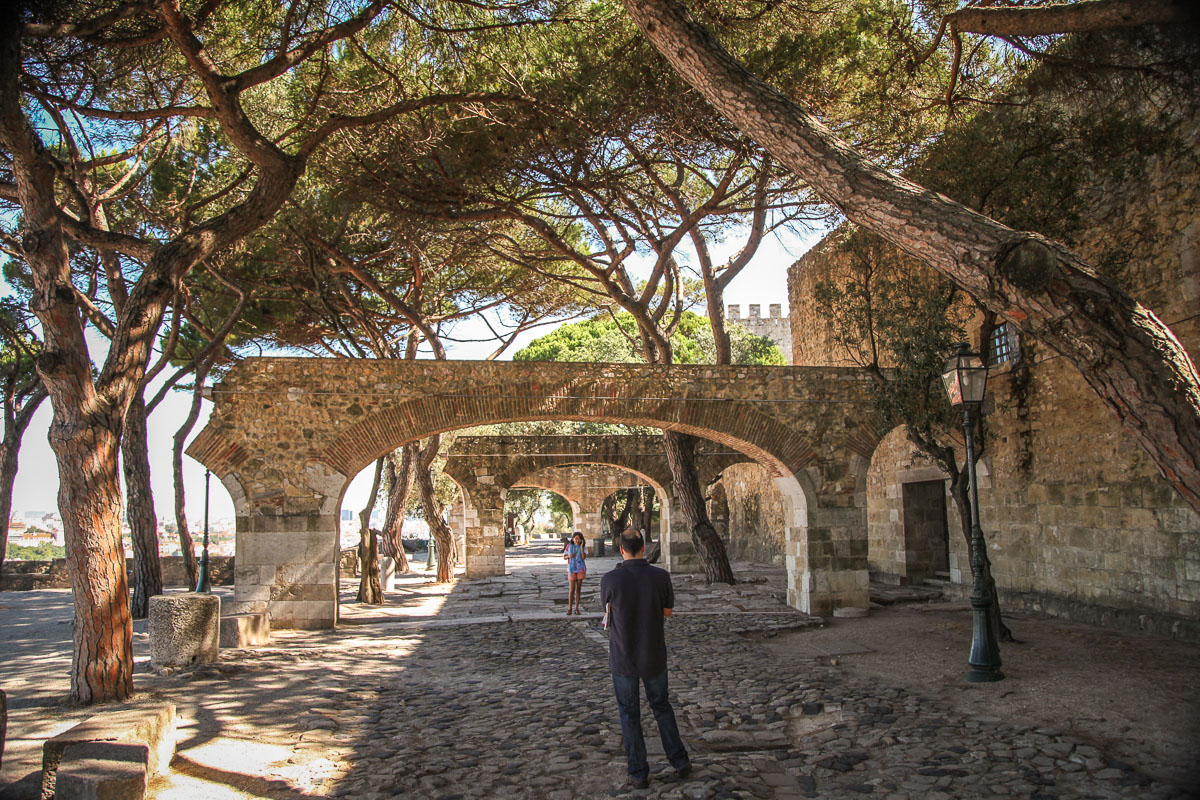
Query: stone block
x: 127, y: 731
x: 99, y: 779
x: 184, y: 629
x: 252, y: 593
x: 245, y: 630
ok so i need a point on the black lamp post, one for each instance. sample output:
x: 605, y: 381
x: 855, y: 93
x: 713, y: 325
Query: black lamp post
x: 202, y: 583
x: 965, y: 379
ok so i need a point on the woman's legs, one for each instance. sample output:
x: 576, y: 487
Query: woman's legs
x: 571, y: 584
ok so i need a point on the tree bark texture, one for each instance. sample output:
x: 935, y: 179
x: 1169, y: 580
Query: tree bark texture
x: 1077, y: 17
x: 369, y: 589
x: 400, y: 480
x: 681, y: 456
x: 618, y: 524
x: 438, y: 529
x: 643, y: 513
x: 139, y: 510
x: 89, y: 409
x: 102, y: 664
x: 1127, y: 355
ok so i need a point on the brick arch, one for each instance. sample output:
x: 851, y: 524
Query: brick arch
x: 396, y: 425
x: 531, y: 479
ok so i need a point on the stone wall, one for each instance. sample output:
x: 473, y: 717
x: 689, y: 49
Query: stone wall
x: 26, y: 575
x: 775, y: 327
x: 286, y: 434
x: 753, y: 514
x: 1077, y: 519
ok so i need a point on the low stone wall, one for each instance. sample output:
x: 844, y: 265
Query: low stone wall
x: 22, y: 576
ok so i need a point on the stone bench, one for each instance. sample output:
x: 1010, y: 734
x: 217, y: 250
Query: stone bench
x: 145, y: 734
x: 245, y: 630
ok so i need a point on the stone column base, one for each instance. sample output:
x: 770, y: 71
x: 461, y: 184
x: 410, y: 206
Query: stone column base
x: 185, y: 629
x: 822, y: 593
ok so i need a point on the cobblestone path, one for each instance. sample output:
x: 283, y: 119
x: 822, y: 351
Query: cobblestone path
x: 526, y: 711
x: 487, y: 690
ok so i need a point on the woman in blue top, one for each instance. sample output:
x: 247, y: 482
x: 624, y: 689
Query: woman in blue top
x: 575, y: 554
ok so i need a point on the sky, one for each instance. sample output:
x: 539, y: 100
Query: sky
x: 763, y: 282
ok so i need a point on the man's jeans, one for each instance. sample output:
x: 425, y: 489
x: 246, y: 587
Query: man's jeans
x: 629, y: 704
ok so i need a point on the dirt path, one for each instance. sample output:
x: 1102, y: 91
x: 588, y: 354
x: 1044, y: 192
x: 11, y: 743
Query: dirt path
x: 1137, y: 697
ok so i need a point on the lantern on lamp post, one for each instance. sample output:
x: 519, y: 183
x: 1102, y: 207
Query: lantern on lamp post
x: 965, y: 380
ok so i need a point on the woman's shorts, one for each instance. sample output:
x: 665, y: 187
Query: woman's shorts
x: 577, y: 576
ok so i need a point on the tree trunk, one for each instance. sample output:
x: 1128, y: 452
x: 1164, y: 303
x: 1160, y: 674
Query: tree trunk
x: 15, y: 425
x: 438, y: 529
x: 186, y: 545
x: 369, y: 589
x: 85, y: 432
x: 1130, y: 358
x: 681, y: 457
x: 399, y: 490
x: 645, y: 513
x: 89, y: 500
x: 139, y: 510
x: 617, y: 525
x: 1078, y: 17
x: 9, y: 460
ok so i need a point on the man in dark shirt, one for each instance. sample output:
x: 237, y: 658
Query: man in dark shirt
x: 638, y: 597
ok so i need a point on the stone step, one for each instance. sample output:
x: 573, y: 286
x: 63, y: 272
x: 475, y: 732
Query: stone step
x: 103, y: 771
x: 152, y: 726
x: 98, y: 779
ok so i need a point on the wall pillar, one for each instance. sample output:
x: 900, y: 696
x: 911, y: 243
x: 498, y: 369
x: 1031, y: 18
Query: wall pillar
x: 288, y: 567
x: 679, y: 555
x: 457, y: 520
x: 826, y: 554
x: 589, y: 523
x: 484, y: 532
x: 286, y: 559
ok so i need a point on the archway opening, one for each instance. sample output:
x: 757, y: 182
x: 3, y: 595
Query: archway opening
x: 638, y: 508
x: 535, y: 514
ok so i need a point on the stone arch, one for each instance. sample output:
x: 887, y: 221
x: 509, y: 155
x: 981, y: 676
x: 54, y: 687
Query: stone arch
x: 586, y: 485
x: 360, y: 446
x: 549, y: 486
x: 912, y: 530
x: 292, y: 429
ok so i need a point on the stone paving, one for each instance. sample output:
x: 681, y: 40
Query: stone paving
x: 487, y: 689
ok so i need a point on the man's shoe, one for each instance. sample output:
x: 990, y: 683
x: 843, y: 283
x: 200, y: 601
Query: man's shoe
x: 644, y: 783
x: 684, y: 772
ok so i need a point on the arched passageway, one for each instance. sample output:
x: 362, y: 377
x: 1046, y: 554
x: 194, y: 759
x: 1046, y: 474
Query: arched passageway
x: 285, y: 434
x: 485, y: 467
x: 585, y: 487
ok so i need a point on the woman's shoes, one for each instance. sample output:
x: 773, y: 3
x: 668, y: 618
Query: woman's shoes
x: 578, y: 612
